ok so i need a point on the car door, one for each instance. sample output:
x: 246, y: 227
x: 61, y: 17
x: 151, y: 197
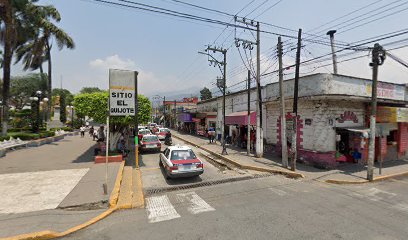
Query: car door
x: 163, y: 156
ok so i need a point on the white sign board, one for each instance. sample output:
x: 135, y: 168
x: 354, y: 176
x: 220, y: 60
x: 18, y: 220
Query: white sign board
x: 122, y: 92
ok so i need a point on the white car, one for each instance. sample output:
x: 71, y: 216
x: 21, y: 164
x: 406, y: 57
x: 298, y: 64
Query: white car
x: 180, y: 161
x: 161, y: 133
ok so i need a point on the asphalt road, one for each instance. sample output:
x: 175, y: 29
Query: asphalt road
x: 154, y: 177
x: 268, y: 208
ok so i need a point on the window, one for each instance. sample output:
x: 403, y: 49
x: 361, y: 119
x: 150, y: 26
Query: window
x: 150, y: 139
x: 182, y: 154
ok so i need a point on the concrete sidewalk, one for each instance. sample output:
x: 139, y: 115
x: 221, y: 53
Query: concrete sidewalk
x: 344, y: 174
x: 55, y: 187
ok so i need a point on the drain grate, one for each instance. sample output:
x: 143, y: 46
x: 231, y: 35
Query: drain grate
x: 152, y: 191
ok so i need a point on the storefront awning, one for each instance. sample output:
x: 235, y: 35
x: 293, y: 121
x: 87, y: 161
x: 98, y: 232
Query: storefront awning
x: 357, y: 130
x: 240, y: 118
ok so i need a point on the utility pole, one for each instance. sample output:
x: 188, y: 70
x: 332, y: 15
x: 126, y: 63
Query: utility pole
x: 331, y: 34
x: 249, y: 113
x: 282, y: 108
x: 175, y: 110
x: 378, y: 57
x: 246, y: 44
x: 221, y: 83
x: 164, y: 110
x: 295, y: 102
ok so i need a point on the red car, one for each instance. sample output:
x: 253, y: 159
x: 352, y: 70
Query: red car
x: 150, y: 143
x: 161, y: 133
x: 143, y: 132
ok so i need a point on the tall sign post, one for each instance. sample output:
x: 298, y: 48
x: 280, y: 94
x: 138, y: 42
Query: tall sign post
x: 122, y: 102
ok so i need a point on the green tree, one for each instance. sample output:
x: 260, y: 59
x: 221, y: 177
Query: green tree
x: 95, y: 106
x: 23, y: 87
x: 90, y: 90
x: 69, y: 97
x: 205, y: 94
x: 37, y: 49
x: 63, y: 106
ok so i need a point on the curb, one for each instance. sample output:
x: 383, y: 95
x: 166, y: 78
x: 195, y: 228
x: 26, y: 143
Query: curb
x: 113, y: 199
x: 250, y: 167
x: 47, y: 234
x: 138, y: 196
x: 376, y: 179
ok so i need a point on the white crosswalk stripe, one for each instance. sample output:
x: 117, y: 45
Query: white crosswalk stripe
x: 197, y: 204
x: 160, y: 209
x: 278, y: 191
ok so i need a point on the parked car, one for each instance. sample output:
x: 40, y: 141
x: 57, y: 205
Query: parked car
x: 150, y: 143
x: 180, y: 161
x: 161, y: 133
x: 143, y: 132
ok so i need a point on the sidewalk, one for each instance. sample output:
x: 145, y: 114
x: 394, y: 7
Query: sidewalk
x: 52, y: 187
x: 344, y: 174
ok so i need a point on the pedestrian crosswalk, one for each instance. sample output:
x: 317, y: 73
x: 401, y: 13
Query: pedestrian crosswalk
x: 160, y: 208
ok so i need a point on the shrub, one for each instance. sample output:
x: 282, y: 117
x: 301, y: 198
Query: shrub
x: 66, y: 129
x: 26, y: 136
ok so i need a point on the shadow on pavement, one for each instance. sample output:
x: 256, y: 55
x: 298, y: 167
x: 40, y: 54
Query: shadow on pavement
x: 87, y: 156
x: 179, y: 181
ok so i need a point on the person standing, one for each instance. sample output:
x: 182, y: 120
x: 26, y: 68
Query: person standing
x: 101, y: 134
x: 91, y: 131
x: 82, y: 130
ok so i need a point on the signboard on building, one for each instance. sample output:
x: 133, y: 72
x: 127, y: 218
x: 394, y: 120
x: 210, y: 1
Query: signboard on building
x: 392, y: 114
x: 122, y: 92
x: 386, y: 90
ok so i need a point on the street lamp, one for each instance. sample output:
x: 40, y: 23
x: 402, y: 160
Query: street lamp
x: 39, y: 99
x: 155, y: 98
x: 71, y: 108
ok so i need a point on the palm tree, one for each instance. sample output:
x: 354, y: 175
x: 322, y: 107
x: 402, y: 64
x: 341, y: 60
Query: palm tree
x: 14, y: 30
x: 38, y: 50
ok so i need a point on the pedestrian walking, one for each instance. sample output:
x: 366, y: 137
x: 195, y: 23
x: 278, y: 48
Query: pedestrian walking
x: 91, y: 131
x: 82, y: 130
x: 101, y: 134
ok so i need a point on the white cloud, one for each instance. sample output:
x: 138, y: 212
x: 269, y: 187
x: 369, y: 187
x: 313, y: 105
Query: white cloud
x: 113, y: 61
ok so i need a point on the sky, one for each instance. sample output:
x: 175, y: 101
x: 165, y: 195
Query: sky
x: 164, y: 49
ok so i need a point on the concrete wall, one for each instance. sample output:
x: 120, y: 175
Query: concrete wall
x: 324, y: 115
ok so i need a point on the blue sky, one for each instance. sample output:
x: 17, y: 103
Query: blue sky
x: 164, y: 49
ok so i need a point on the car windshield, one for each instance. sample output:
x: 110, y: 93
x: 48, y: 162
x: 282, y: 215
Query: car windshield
x: 150, y: 139
x: 164, y: 130
x: 144, y: 132
x: 182, y: 155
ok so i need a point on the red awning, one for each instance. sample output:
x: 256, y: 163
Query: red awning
x: 196, y: 120
x: 240, y: 118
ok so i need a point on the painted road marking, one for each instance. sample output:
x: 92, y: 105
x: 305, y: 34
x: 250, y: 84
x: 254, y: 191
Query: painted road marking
x: 278, y: 191
x: 35, y: 191
x: 196, y: 203
x: 401, y: 207
x: 160, y: 209
x: 373, y: 194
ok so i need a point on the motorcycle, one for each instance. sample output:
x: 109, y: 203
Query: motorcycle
x: 167, y: 140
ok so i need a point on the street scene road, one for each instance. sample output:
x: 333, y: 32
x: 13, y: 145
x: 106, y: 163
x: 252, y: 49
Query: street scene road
x: 183, y: 119
x: 267, y: 208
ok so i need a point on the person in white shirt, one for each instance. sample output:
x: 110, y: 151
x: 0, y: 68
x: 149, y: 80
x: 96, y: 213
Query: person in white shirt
x: 82, y: 130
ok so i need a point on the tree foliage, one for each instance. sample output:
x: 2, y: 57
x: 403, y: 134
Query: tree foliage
x: 205, y: 94
x: 23, y: 87
x: 95, y: 106
x: 90, y: 90
x: 63, y: 111
x: 69, y: 97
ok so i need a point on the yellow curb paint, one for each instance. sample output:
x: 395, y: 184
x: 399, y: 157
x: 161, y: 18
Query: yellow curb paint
x: 376, y: 179
x: 44, y: 235
x: 126, y: 191
x: 113, y: 199
x: 36, y: 235
x: 138, y: 196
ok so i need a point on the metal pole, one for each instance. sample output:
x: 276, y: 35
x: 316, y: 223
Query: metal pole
x: 331, y: 34
x: 249, y: 113
x: 164, y: 111
x: 282, y: 108
x: 107, y: 156
x: 371, y: 146
x: 72, y: 117
x: 295, y: 102
x: 136, y: 123
x: 259, y: 132
x: 38, y: 114
x: 224, y: 147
